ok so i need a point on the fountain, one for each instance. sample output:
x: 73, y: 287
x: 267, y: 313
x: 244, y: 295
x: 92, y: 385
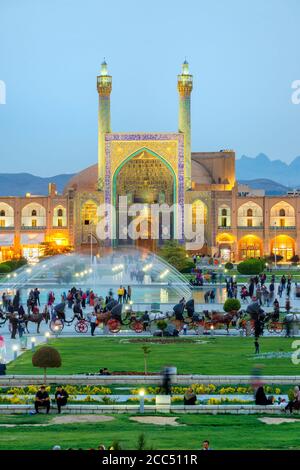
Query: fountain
x: 151, y: 278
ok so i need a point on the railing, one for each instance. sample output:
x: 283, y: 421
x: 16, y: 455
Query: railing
x: 59, y: 226
x: 224, y: 227
x: 29, y: 227
x: 253, y: 227
x: 11, y: 227
x: 286, y: 227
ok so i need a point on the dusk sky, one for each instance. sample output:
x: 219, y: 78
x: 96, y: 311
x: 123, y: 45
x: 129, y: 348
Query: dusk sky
x: 244, y: 55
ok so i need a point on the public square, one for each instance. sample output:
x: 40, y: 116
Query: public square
x: 149, y: 231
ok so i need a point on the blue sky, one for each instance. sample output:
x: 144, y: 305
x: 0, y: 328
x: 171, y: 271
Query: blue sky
x: 244, y: 55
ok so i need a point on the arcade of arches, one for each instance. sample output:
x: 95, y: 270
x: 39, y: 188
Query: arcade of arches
x: 251, y: 246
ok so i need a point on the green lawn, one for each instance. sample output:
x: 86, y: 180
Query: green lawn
x: 215, y: 356
x: 224, y: 432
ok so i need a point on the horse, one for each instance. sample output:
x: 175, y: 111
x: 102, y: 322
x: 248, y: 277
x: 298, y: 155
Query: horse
x: 34, y: 318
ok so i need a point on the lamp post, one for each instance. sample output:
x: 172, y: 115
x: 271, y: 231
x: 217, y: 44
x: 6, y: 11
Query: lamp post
x: 33, y: 341
x: 275, y: 245
x: 142, y: 400
x: 47, y: 336
x: 91, y: 235
x: 15, y: 350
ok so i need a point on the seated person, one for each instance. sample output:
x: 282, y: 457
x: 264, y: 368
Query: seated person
x: 61, y: 397
x: 190, y: 397
x: 42, y: 399
x: 261, y: 399
x: 104, y: 371
x: 295, y: 403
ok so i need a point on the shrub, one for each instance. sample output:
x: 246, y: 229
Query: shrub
x: 46, y: 357
x: 162, y: 325
x: 5, y: 268
x: 295, y: 259
x: 232, y: 305
x: 251, y: 266
x: 229, y: 266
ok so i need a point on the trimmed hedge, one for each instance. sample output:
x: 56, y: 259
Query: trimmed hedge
x: 232, y: 305
x: 251, y: 266
x: 12, y: 265
x: 229, y: 266
x: 4, y: 268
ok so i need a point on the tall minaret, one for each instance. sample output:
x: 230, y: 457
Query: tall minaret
x: 104, y: 86
x: 185, y: 86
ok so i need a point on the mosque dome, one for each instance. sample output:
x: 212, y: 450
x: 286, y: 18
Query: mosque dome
x: 85, y: 180
x: 200, y: 175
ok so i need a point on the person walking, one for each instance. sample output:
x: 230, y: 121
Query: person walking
x: 93, y: 323
x: 14, y: 324
x: 256, y: 344
x: 128, y: 293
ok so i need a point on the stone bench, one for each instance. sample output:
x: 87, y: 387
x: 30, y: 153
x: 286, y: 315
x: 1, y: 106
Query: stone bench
x: 134, y: 409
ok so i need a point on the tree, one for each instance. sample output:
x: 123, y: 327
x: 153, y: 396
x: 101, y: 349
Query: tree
x: 174, y: 253
x: 146, y: 351
x: 46, y: 357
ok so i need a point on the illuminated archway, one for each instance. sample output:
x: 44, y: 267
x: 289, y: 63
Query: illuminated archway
x: 199, y: 212
x: 224, y: 216
x: 59, y: 216
x: 250, y: 214
x: 284, y: 246
x: 89, y: 214
x: 34, y: 215
x: 250, y: 246
x: 224, y: 243
x: 145, y: 178
x: 282, y: 214
x: 6, y: 215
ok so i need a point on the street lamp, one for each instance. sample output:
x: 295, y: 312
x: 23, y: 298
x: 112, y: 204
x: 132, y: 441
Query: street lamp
x: 275, y: 245
x: 33, y: 341
x: 47, y: 336
x: 142, y: 400
x: 15, y: 350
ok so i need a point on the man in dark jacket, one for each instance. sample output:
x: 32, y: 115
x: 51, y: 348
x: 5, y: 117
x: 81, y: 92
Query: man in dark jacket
x: 42, y: 399
x: 61, y: 397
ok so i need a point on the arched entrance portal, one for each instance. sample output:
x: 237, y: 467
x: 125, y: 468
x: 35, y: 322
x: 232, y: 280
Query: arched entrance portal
x: 146, y: 179
x: 284, y: 246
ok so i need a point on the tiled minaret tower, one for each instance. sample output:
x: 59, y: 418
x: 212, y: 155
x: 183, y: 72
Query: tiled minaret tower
x: 104, y: 86
x: 185, y: 86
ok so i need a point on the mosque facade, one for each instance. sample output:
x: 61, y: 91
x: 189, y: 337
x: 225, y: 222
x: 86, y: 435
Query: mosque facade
x: 153, y: 168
